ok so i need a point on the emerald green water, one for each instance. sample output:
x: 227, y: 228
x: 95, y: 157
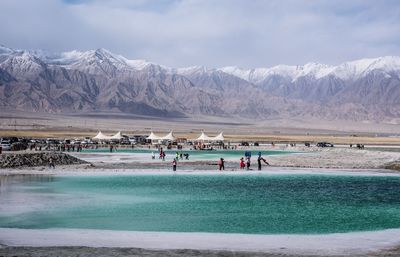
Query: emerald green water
x: 256, y: 204
x: 194, y: 154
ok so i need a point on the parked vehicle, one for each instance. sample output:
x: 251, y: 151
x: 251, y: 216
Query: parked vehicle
x: 5, y: 145
x: 76, y: 142
x: 125, y: 141
x: 52, y: 141
x: 324, y: 144
x: 12, y: 139
x: 87, y: 142
x: 132, y: 140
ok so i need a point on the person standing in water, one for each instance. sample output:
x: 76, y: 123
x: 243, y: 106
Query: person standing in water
x: 248, y: 162
x: 242, y: 164
x: 174, y: 164
x: 259, y: 159
x: 221, y: 164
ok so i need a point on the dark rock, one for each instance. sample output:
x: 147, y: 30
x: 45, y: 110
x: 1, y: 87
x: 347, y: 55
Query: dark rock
x: 393, y: 166
x: 14, y: 160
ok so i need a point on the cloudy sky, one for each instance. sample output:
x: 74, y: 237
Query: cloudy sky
x: 214, y: 33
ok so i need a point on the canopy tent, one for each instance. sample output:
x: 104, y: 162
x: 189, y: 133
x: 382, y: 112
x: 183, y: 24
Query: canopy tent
x: 101, y: 136
x: 220, y: 137
x: 117, y: 136
x: 170, y: 137
x: 153, y: 136
x: 203, y: 137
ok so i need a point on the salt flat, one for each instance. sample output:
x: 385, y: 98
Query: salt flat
x: 348, y: 244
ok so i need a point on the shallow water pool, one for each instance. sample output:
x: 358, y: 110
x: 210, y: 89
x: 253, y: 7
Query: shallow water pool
x: 254, y: 204
x: 145, y: 154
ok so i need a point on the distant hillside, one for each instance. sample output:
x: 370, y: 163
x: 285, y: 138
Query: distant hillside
x: 98, y: 81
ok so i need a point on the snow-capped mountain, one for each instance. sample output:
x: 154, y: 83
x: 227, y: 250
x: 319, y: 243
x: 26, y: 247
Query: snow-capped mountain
x: 98, y: 80
x: 22, y: 63
x: 349, y: 70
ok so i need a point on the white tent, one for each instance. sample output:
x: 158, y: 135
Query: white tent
x: 153, y: 136
x: 170, y: 136
x: 117, y: 136
x: 101, y: 136
x: 220, y: 137
x: 203, y: 137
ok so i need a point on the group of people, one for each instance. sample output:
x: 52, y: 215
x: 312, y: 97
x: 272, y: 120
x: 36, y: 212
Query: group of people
x: 181, y: 155
x: 246, y: 164
x: 162, y: 154
x: 221, y: 162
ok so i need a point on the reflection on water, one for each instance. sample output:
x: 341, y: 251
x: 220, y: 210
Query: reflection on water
x: 8, y: 183
x: 203, y: 203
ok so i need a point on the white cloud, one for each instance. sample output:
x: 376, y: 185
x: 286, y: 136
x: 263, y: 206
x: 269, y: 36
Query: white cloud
x: 208, y: 32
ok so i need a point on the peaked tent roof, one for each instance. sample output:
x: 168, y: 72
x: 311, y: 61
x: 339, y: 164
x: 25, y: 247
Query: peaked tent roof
x: 101, y: 136
x: 117, y: 136
x: 220, y: 137
x: 169, y: 136
x: 153, y: 136
x: 203, y: 137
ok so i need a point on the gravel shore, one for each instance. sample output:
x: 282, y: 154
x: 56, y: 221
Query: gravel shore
x: 139, y: 252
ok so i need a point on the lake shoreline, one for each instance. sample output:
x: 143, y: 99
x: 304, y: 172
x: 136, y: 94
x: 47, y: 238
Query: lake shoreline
x: 294, y: 157
x: 372, y: 243
x: 70, y: 242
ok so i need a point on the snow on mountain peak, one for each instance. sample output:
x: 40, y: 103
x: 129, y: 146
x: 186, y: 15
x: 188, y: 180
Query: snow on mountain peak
x: 236, y: 71
x: 191, y: 70
x: 103, y: 57
x: 138, y: 64
x: 355, y: 69
x: 291, y: 72
x: 23, y: 61
x: 26, y: 56
x: 348, y: 70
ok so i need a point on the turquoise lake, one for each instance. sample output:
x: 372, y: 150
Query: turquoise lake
x: 226, y: 203
x: 194, y: 154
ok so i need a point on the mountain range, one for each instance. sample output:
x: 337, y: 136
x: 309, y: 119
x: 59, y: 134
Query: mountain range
x: 100, y: 81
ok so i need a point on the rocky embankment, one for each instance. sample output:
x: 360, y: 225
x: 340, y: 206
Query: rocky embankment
x: 15, y: 160
x: 393, y: 166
